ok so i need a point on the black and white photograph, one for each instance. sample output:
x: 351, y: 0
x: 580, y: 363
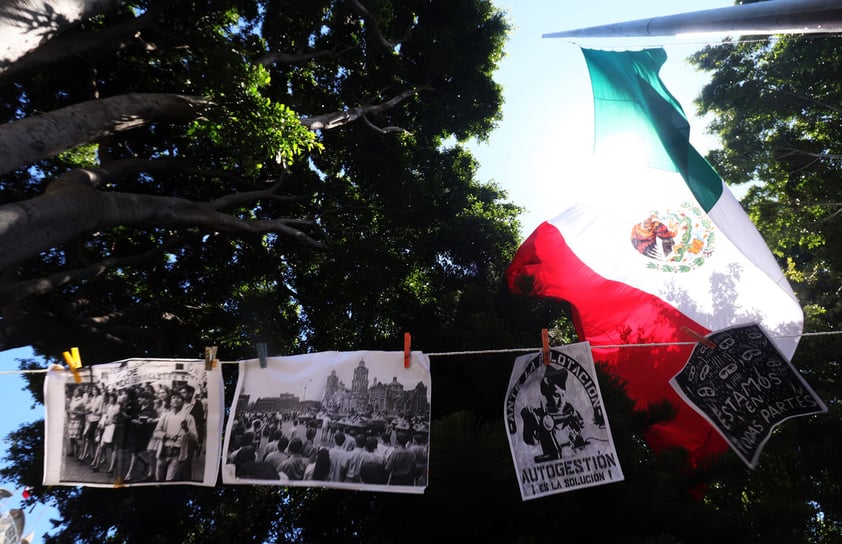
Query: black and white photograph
x: 556, y: 424
x: 745, y: 387
x: 134, y: 422
x: 348, y: 420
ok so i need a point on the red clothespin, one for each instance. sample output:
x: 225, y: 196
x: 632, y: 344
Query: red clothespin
x: 545, y: 346
x: 74, y: 362
x: 706, y: 341
x: 407, y: 352
x: 210, y: 357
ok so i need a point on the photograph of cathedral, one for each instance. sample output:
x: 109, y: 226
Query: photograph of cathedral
x: 360, y: 408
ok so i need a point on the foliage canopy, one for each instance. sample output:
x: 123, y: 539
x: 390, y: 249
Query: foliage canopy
x: 289, y: 171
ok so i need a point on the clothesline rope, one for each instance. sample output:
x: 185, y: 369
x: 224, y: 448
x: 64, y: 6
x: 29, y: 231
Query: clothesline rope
x: 491, y: 351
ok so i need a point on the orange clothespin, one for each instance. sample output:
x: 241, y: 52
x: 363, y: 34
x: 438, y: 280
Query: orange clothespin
x: 210, y: 357
x: 261, y: 354
x: 545, y: 346
x: 706, y: 341
x: 407, y: 352
x: 74, y: 362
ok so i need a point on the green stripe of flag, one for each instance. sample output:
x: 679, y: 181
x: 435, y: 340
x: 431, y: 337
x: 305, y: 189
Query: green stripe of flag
x: 629, y: 97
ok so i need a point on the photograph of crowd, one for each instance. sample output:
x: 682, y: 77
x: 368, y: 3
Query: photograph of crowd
x: 353, y: 420
x: 134, y: 422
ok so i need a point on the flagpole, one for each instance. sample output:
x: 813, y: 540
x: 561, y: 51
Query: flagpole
x: 761, y: 18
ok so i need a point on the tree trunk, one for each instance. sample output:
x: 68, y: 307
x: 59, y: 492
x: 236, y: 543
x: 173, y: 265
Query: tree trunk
x: 34, y: 138
x: 26, y: 24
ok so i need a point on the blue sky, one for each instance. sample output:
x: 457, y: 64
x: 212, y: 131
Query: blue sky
x: 541, y: 144
x: 18, y: 409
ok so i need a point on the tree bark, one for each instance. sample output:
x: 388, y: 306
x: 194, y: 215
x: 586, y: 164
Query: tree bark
x: 26, y: 24
x: 63, y: 47
x: 27, y: 140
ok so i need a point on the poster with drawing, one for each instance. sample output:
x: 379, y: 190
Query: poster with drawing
x: 557, y: 428
x: 134, y: 422
x: 346, y: 420
x: 744, y: 386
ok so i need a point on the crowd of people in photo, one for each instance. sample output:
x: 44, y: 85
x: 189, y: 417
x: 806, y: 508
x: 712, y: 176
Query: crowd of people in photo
x: 139, y: 433
x: 155, y: 431
x: 281, y: 447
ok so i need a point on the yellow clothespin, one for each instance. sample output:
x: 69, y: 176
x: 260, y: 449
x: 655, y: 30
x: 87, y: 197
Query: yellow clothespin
x: 74, y: 362
x: 407, y: 351
x: 545, y: 346
x: 210, y: 357
x: 261, y: 354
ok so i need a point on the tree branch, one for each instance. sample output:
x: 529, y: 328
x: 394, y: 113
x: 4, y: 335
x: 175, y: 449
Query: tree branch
x: 370, y: 22
x: 200, y: 215
x: 72, y: 205
x: 790, y: 151
x: 20, y: 290
x: 25, y: 25
x: 270, y: 193
x: 123, y: 168
x: 50, y: 326
x: 337, y: 119
x: 831, y: 216
x: 807, y: 99
x: 73, y: 45
x: 384, y: 130
x: 276, y: 57
x: 33, y: 138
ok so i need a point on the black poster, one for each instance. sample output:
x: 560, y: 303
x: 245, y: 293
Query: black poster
x: 745, y: 387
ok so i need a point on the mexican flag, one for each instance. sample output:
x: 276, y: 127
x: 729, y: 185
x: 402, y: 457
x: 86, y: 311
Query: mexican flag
x: 652, y: 246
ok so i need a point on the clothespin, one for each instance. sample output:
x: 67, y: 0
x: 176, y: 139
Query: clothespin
x: 706, y: 341
x: 210, y: 357
x: 545, y: 346
x: 74, y: 362
x: 261, y: 354
x: 407, y: 351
